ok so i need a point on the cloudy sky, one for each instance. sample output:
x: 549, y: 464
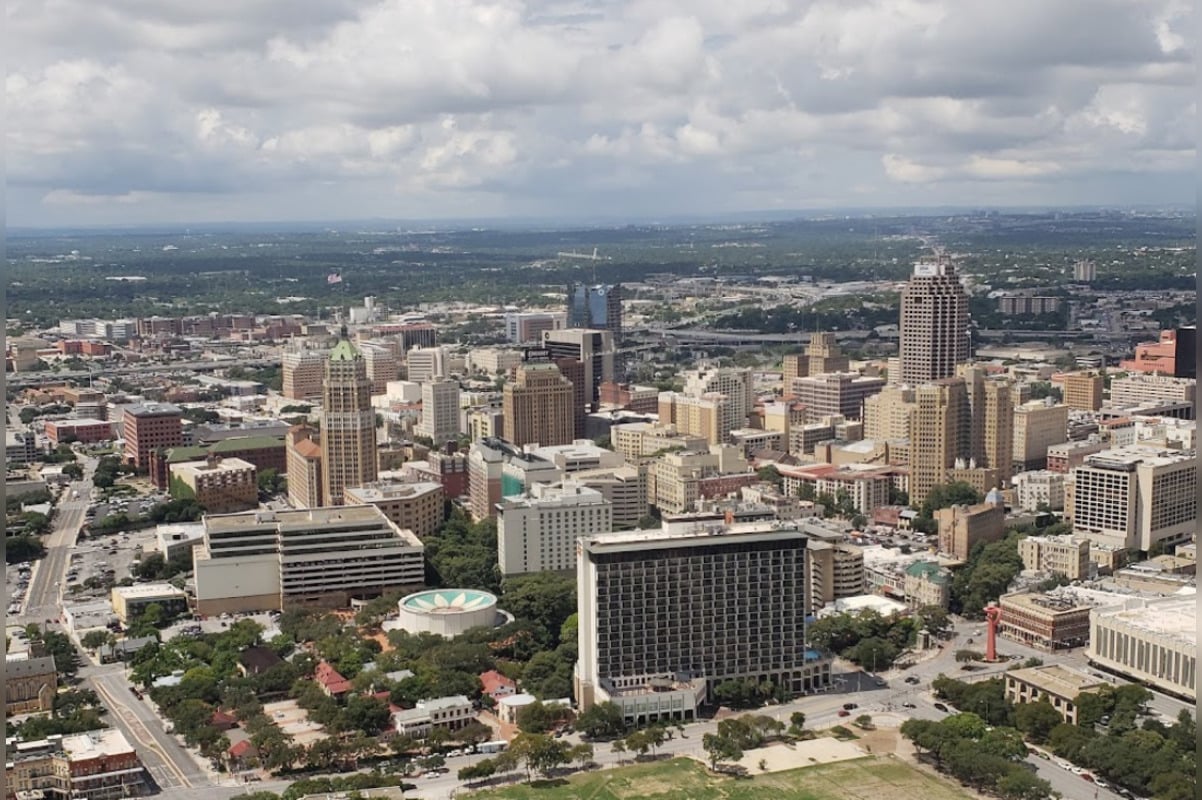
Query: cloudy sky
x: 130, y: 111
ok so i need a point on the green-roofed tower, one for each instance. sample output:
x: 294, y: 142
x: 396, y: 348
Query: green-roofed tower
x: 348, y: 423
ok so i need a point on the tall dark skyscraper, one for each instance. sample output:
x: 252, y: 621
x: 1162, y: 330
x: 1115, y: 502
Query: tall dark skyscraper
x: 934, y: 323
x: 596, y: 307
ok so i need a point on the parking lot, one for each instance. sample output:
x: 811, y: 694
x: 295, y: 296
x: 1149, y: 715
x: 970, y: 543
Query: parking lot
x: 16, y: 581
x: 193, y: 627
x: 108, y: 556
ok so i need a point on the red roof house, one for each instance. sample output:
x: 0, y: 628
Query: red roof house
x: 497, y: 685
x: 331, y: 681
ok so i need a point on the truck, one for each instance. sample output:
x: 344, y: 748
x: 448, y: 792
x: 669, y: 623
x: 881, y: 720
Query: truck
x: 492, y: 747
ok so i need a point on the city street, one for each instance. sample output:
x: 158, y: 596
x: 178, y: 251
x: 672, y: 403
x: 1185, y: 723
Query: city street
x: 43, y: 601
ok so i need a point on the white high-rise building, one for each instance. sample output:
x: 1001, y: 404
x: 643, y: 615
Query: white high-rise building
x: 538, y: 531
x: 440, y: 411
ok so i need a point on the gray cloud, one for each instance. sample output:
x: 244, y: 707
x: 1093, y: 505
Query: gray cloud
x: 164, y: 109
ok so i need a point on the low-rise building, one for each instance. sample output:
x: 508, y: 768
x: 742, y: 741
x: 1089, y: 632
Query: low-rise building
x: 221, y: 485
x: 1060, y: 686
x: 927, y: 584
x: 97, y: 765
x: 446, y: 713
x: 1044, y: 621
x: 130, y: 602
x: 1061, y: 555
x: 1154, y: 641
x: 538, y: 531
x: 1039, y: 490
x: 85, y: 431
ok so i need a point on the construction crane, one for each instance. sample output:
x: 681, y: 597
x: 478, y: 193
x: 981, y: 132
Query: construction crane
x: 583, y: 256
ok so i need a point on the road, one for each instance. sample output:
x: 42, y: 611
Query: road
x: 43, y: 600
x: 172, y: 767
x: 34, y: 379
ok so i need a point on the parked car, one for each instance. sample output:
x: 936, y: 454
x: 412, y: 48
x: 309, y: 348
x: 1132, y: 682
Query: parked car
x: 850, y: 706
x: 941, y: 707
x: 843, y: 712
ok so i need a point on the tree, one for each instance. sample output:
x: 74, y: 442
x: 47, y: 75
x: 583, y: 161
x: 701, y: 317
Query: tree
x: 720, y: 748
x: 935, y: 619
x: 797, y: 723
x: 949, y: 494
x: 864, y: 722
x: 964, y: 656
x: 601, y: 721
x: 1036, y: 720
x: 874, y: 653
x: 271, y: 483
x: 94, y: 640
x: 770, y: 474
x: 1019, y: 784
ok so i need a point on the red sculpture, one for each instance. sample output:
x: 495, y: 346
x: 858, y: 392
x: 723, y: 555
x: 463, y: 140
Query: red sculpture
x: 993, y: 615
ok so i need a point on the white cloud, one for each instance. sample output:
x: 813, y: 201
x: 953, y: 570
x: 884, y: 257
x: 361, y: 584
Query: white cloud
x: 560, y: 106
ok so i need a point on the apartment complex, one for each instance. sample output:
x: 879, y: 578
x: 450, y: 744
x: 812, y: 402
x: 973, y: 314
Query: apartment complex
x: 679, y: 612
x: 934, y: 323
x: 1136, y: 497
x: 540, y: 406
x: 1061, y: 555
x: 1153, y: 641
x: 836, y: 570
x: 348, y: 424
x: 440, y: 411
x: 538, y: 531
x: 303, y: 373
x: 270, y: 560
x: 96, y: 765
x: 220, y: 485
x: 416, y: 507
x: 149, y: 427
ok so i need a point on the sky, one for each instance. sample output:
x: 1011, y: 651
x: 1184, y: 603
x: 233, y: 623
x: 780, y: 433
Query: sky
x: 161, y: 111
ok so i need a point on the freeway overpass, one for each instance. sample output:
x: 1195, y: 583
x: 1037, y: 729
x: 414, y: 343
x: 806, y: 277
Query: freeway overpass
x: 22, y: 380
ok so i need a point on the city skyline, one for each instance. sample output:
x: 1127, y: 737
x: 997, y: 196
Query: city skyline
x: 465, y: 110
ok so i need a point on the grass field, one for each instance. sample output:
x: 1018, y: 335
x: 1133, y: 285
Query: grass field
x: 685, y: 779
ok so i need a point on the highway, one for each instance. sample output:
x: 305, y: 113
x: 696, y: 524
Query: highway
x: 19, y: 380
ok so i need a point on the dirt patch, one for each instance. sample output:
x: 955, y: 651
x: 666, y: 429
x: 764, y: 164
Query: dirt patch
x: 781, y: 757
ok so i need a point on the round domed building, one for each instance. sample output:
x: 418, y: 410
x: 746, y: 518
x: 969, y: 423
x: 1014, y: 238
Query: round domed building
x: 448, y: 612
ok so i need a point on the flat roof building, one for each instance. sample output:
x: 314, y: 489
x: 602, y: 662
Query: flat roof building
x: 538, y: 531
x: 417, y: 507
x: 1060, y: 686
x: 1154, y: 641
x: 270, y: 560
x: 130, y: 602
x: 220, y: 485
x: 683, y: 611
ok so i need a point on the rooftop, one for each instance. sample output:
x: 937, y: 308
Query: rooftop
x: 96, y: 744
x: 148, y: 590
x: 449, y: 601
x: 1130, y: 456
x: 1057, y: 679
x: 377, y: 492
x: 153, y: 409
x: 699, y: 536
x: 1173, y: 617
x: 196, y: 468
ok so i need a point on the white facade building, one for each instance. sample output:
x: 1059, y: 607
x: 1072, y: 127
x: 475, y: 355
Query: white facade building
x: 425, y: 364
x: 538, y: 531
x: 1151, y: 641
x: 1039, y: 488
x: 440, y: 411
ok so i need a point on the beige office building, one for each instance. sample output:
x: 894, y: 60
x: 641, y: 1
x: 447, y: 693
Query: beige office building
x: 837, y: 393
x: 348, y: 424
x: 303, y: 373
x: 889, y: 414
x: 1135, y: 390
x: 991, y: 423
x: 961, y: 528
x: 1040, y: 489
x: 736, y: 384
x: 1083, y: 390
x: 1136, y: 497
x: 1059, y: 685
x: 1062, y: 555
x: 639, y: 441
x: 940, y: 435
x: 272, y: 560
x: 706, y: 416
x: 1038, y: 425
x: 417, y: 507
x: 934, y: 323
x: 540, y: 406
x: 825, y: 355
x: 383, y: 364
x: 625, y: 488
x: 302, y: 448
